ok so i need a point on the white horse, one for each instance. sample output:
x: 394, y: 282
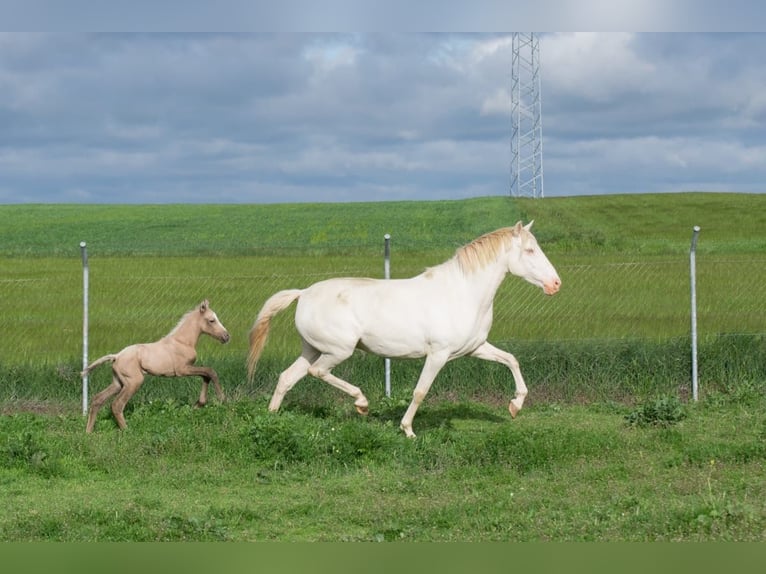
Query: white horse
x: 442, y: 314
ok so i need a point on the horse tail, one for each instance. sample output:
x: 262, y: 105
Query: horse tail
x: 97, y: 362
x: 260, y: 331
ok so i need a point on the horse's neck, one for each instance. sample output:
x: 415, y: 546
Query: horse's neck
x: 487, y: 281
x: 185, y: 333
x: 481, y: 283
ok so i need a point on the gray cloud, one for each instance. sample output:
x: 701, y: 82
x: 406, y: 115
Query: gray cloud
x: 328, y: 117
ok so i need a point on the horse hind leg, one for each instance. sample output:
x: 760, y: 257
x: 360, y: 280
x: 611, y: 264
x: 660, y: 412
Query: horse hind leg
x: 290, y: 376
x: 130, y: 384
x: 321, y: 369
x: 98, y: 401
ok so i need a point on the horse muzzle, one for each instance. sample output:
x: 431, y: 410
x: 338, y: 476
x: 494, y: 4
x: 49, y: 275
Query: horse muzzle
x: 225, y: 338
x: 552, y: 287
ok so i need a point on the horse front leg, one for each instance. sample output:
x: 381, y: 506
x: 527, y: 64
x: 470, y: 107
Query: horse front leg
x: 202, y: 400
x: 208, y: 375
x: 433, y: 365
x: 489, y: 352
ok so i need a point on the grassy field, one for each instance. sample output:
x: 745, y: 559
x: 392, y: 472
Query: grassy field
x: 577, y: 226
x: 317, y: 472
x: 607, y: 447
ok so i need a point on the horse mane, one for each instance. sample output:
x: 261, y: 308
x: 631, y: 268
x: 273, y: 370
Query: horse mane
x: 483, y: 250
x: 181, y: 321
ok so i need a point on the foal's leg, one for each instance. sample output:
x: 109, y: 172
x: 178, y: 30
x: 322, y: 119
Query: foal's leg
x: 292, y: 375
x: 130, y: 384
x: 207, y: 375
x: 321, y: 369
x: 431, y: 368
x: 491, y: 353
x: 98, y: 401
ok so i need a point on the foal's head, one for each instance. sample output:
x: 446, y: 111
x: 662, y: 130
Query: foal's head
x: 209, y: 323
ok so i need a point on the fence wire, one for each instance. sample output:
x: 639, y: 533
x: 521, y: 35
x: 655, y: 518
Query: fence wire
x: 42, y: 319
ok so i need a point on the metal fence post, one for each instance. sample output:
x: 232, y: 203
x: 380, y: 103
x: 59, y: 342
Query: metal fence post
x: 84, y: 252
x: 387, y: 275
x: 693, y: 273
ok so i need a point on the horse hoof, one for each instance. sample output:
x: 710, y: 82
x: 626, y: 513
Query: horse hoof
x: 362, y: 410
x: 513, y: 409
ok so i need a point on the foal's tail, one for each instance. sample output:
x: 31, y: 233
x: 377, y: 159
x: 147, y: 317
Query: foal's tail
x: 260, y: 331
x: 97, y: 362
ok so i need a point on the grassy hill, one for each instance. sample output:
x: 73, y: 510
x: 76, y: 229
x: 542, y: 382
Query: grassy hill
x: 616, y: 224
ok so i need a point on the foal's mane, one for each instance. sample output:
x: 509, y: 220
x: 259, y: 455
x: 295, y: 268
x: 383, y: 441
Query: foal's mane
x: 182, y: 320
x: 484, y: 250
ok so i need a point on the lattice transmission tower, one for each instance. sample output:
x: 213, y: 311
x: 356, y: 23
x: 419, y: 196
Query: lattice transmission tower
x: 526, y: 117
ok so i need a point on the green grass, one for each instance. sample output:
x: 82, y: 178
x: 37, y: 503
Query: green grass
x: 647, y: 224
x: 607, y: 447
x: 235, y: 473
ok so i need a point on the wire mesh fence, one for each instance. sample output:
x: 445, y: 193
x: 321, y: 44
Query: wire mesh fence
x: 128, y: 303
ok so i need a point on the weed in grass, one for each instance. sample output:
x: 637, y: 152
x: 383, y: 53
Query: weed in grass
x: 350, y: 443
x: 659, y: 412
x: 26, y: 452
x: 288, y: 438
x: 278, y: 440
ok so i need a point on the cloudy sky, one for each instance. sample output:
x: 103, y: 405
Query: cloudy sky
x: 294, y: 117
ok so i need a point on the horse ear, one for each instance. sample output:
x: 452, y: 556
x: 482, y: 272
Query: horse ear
x: 528, y: 226
x: 203, y: 306
x: 517, y: 228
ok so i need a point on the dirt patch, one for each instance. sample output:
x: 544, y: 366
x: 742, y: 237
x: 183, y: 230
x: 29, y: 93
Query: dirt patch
x: 37, y: 408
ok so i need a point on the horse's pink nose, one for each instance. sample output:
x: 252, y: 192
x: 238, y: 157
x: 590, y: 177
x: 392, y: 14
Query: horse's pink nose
x: 552, y: 287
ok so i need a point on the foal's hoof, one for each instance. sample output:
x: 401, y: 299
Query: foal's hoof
x: 513, y: 409
x: 198, y: 405
x: 362, y: 410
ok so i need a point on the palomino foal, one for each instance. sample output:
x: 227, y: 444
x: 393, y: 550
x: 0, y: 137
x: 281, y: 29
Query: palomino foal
x: 442, y: 314
x: 171, y: 356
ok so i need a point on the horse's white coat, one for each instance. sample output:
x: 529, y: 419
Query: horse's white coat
x: 441, y: 314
